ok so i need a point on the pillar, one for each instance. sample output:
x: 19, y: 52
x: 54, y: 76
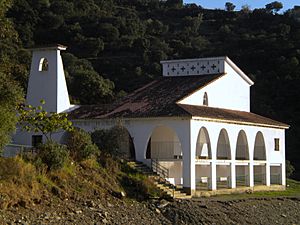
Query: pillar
x: 213, y: 176
x: 232, y: 175
x: 268, y: 174
x: 283, y: 175
x: 251, y: 174
x: 188, y: 144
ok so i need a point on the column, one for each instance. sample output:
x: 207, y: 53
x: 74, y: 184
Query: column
x: 213, y: 175
x: 232, y: 175
x: 251, y: 174
x: 268, y: 174
x: 283, y: 175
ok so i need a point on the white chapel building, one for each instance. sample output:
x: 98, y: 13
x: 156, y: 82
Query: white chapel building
x: 194, y: 120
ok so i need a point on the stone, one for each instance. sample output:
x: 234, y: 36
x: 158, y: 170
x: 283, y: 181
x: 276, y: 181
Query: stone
x: 104, y: 221
x: 163, y: 203
x: 78, y: 212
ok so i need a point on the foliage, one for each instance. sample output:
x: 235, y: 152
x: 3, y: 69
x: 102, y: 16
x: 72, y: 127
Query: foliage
x: 289, y: 169
x: 35, y: 119
x: 16, y: 170
x: 229, y: 6
x: 10, y: 91
x: 116, y: 46
x: 114, y: 141
x: 53, y: 155
x: 274, y: 6
x: 80, y: 145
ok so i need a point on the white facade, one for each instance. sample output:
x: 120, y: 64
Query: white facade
x: 47, y: 80
x: 230, y: 91
x: 199, y: 153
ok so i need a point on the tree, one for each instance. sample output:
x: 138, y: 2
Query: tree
x: 35, y: 119
x: 274, y: 7
x: 10, y: 92
x: 229, y: 6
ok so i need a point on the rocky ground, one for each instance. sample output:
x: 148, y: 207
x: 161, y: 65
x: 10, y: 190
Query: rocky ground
x: 112, y: 210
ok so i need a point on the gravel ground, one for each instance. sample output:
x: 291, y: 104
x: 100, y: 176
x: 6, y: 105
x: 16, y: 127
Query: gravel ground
x: 111, y: 210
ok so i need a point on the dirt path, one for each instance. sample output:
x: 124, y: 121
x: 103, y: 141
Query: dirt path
x: 110, y: 210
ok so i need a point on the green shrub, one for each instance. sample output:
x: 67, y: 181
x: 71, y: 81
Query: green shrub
x: 80, y: 145
x: 53, y: 155
x: 289, y: 168
x: 115, y: 141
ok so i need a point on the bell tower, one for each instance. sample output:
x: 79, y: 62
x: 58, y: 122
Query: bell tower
x: 47, y: 79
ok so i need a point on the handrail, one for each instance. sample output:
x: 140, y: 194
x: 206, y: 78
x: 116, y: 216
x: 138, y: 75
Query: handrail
x: 159, y: 169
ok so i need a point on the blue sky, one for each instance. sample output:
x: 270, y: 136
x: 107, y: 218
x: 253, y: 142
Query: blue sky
x: 212, y: 4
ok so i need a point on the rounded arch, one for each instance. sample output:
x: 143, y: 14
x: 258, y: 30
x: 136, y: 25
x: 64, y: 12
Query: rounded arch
x: 203, y: 147
x: 205, y: 99
x: 259, y: 147
x: 242, y: 148
x: 163, y: 144
x: 43, y: 65
x: 223, y: 146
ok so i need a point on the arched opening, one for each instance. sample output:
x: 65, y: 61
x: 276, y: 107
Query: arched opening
x: 259, y: 147
x: 164, y: 149
x: 203, y: 149
x: 242, y: 154
x: 259, y: 157
x: 242, y: 149
x: 203, y: 155
x: 223, y: 147
x: 223, y: 154
x: 43, y: 65
x: 205, y: 99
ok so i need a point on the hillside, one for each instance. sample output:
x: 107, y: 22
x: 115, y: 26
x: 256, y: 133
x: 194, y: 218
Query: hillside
x: 115, y: 46
x: 89, y: 193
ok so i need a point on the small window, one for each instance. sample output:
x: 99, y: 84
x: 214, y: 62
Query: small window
x: 43, y: 66
x: 205, y: 99
x: 276, y: 142
x: 36, y: 140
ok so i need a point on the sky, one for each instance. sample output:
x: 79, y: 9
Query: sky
x: 220, y: 4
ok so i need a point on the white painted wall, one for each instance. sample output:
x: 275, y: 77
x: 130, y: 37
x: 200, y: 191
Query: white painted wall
x: 48, y: 85
x: 187, y: 132
x: 230, y: 91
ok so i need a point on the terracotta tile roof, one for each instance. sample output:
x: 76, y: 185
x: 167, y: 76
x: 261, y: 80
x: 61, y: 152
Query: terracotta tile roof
x: 230, y: 115
x: 159, y: 99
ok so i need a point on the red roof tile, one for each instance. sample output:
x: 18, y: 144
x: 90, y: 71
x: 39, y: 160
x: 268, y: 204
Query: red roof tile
x: 159, y: 99
x: 229, y: 115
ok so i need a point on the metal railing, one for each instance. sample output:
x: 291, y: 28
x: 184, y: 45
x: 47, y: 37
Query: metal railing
x: 275, y: 178
x: 223, y: 182
x: 242, y: 180
x: 163, y: 172
x: 12, y: 150
x: 259, y: 178
x: 159, y: 169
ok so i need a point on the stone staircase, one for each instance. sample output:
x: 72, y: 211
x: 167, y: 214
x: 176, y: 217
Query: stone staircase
x: 165, y: 186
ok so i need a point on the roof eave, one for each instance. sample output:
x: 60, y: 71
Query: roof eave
x: 241, y: 122
x: 239, y: 71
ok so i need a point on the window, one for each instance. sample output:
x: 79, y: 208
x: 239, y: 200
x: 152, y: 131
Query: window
x: 43, y: 66
x: 276, y: 142
x: 205, y: 99
x: 36, y: 140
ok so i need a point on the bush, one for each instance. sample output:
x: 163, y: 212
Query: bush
x: 289, y: 168
x: 115, y: 141
x: 53, y: 155
x: 16, y: 170
x: 80, y: 145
